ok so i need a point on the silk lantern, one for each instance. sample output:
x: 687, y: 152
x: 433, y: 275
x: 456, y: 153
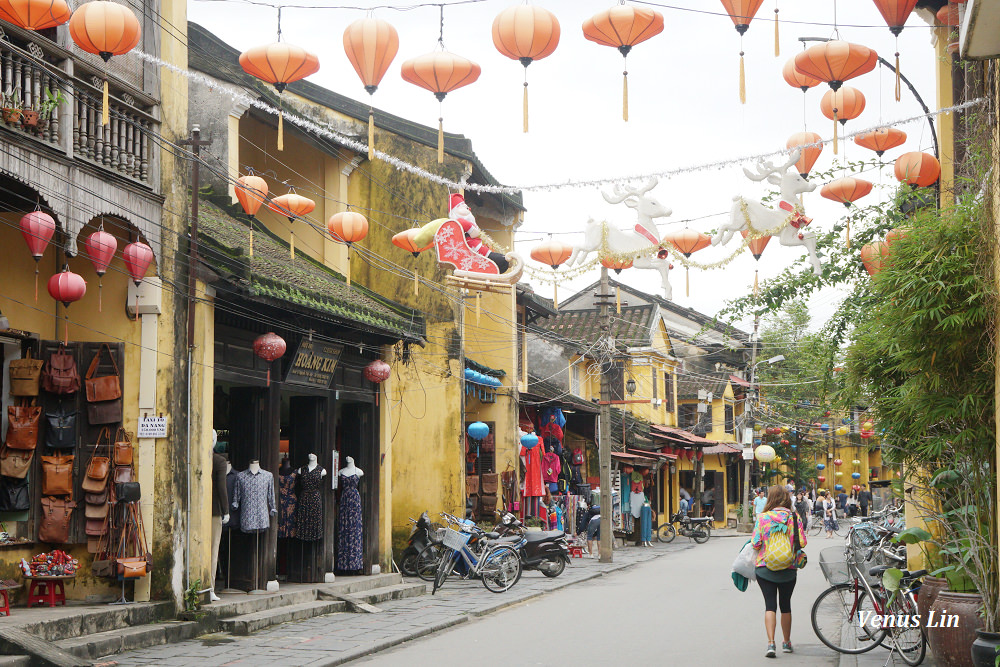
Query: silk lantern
x: 349, y: 227
x: 688, y: 241
x: 552, y: 253
x: 809, y: 145
x: 756, y: 246
x: 842, y: 430
x: 838, y: 462
x: 622, y: 27
x: 35, y: 14
x: 797, y: 79
x: 100, y: 248
x: 529, y: 440
x: 873, y: 256
x: 269, y: 347
x: 764, y: 453
x: 742, y: 12
x: 844, y: 104
x: 371, y: 45
x: 920, y: 169
x: 440, y: 72
x: 292, y: 206
x: 616, y: 265
x: 251, y: 191
x: 406, y: 240
x: 846, y: 190
x: 880, y: 140
x: 478, y: 430
x: 895, y: 235
x: 856, y: 475
x: 107, y: 29
x: 67, y: 287
x: 37, y: 228
x: 820, y: 466
x: 525, y: 33
x: 836, y: 61
x: 138, y: 256
x: 377, y: 372
x: 856, y: 462
x: 279, y: 64
x: 838, y: 487
x: 824, y: 427
x: 895, y: 13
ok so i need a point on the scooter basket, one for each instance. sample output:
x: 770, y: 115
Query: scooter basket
x: 454, y: 539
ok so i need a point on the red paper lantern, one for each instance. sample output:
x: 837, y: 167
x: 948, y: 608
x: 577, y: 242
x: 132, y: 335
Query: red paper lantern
x: 269, y: 347
x: 100, y: 248
x: 37, y: 229
x: 138, y: 256
x: 821, y: 479
x: 377, y: 371
x: 784, y: 442
x: 700, y: 455
x: 838, y: 462
x: 67, y: 287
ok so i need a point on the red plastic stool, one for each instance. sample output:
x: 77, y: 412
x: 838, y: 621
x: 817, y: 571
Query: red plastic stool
x: 52, y: 591
x: 7, y: 585
x: 576, y: 552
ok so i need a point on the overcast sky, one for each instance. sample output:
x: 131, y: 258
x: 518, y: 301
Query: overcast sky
x: 684, y: 110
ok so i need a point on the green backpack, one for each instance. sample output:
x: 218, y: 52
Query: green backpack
x: 779, y: 554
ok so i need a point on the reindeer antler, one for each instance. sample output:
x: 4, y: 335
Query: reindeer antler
x: 793, y: 158
x: 620, y: 195
x: 764, y: 169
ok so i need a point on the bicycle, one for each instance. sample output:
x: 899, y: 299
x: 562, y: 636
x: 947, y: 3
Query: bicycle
x: 498, y: 566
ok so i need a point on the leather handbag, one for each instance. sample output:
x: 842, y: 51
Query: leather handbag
x: 123, y: 448
x: 54, y: 525
x: 24, y: 376
x: 132, y: 568
x: 96, y: 479
x: 15, y: 462
x: 57, y: 475
x: 127, y: 492
x: 14, y: 496
x: 104, y: 568
x: 59, y: 376
x: 105, y: 412
x: 96, y: 498
x: 96, y: 511
x: 105, y: 387
x: 123, y: 474
x: 96, y: 527
x: 60, y: 429
x: 22, y: 426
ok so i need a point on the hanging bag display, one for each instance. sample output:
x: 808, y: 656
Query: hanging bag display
x: 104, y: 393
x: 60, y: 428
x: 22, y: 425
x: 127, y: 492
x: 57, y: 475
x: 96, y: 498
x: 96, y: 511
x: 54, y: 525
x: 96, y: 478
x: 14, y: 496
x: 15, y: 462
x: 123, y: 474
x: 95, y: 527
x: 25, y: 375
x: 123, y: 448
x: 60, y: 376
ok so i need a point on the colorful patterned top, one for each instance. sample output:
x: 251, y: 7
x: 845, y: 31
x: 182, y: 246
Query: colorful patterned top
x: 766, y: 522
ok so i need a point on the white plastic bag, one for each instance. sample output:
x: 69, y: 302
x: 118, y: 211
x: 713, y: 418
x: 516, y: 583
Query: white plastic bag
x: 746, y: 562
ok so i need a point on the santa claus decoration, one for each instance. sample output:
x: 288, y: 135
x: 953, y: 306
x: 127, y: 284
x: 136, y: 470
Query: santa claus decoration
x: 459, y: 211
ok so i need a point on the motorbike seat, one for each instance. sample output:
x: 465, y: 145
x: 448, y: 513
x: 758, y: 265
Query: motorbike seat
x: 543, y: 536
x: 491, y: 536
x: 700, y: 519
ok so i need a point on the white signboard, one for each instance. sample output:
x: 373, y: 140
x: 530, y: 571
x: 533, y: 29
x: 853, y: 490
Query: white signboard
x: 152, y: 427
x: 748, y: 453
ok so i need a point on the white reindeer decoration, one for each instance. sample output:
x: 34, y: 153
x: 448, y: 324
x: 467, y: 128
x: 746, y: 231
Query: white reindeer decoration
x: 639, y: 239
x: 789, y: 215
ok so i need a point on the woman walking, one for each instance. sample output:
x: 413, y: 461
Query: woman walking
x: 774, y: 538
x: 829, y: 514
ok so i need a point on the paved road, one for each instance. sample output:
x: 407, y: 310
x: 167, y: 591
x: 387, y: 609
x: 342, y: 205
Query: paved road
x: 681, y: 609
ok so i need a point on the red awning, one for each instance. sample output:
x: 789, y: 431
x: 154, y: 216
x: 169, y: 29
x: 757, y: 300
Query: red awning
x: 635, y: 460
x: 735, y: 379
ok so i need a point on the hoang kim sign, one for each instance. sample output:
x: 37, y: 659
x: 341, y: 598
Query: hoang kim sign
x: 314, y: 364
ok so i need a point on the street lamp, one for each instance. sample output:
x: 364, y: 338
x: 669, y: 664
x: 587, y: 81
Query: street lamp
x: 630, y: 386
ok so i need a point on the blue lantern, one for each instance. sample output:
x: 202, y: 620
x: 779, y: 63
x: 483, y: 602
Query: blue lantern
x: 478, y: 430
x: 756, y: 441
x: 824, y: 427
x: 820, y: 466
x: 845, y: 420
x: 856, y: 475
x: 529, y: 440
x: 838, y: 487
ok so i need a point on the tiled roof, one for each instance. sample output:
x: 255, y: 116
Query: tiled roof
x: 631, y: 328
x: 548, y: 393
x: 271, y: 275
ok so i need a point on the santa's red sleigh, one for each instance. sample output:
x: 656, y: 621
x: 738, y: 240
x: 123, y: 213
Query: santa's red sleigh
x: 471, y: 267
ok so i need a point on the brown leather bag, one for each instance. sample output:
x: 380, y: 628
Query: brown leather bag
x: 15, y: 462
x: 123, y: 448
x: 24, y: 376
x: 96, y: 479
x: 59, y: 376
x: 123, y: 474
x: 96, y: 511
x: 57, y: 475
x: 54, y: 525
x: 132, y: 568
x: 96, y: 498
x: 96, y: 527
x: 106, y: 387
x: 22, y: 426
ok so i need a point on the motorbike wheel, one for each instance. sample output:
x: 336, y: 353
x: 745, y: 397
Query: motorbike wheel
x: 408, y: 564
x: 554, y: 567
x: 426, y: 564
x: 700, y: 534
x: 666, y: 533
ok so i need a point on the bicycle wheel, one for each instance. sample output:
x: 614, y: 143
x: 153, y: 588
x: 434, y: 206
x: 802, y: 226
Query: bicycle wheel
x: 666, y: 533
x: 836, y: 619
x: 909, y: 640
x: 700, y: 534
x: 501, y: 569
x: 427, y: 560
x: 816, y: 528
x: 444, y: 568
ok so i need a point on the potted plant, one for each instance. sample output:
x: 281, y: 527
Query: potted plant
x: 11, y: 107
x: 40, y: 119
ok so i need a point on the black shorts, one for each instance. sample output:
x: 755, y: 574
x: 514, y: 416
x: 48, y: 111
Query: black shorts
x: 777, y: 595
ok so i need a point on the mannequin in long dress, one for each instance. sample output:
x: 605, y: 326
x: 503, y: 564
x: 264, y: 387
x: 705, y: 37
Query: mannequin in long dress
x: 349, y: 531
x: 220, y: 507
x: 309, y: 504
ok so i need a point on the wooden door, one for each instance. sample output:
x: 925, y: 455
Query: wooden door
x: 306, y: 435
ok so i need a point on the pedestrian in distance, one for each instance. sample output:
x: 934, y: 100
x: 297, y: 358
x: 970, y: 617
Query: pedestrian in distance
x: 842, y: 503
x: 852, y: 503
x: 594, y: 531
x: 774, y: 536
x: 829, y: 514
x: 684, y: 507
x: 802, y: 508
x: 759, y: 502
x: 864, y: 499
x: 685, y: 495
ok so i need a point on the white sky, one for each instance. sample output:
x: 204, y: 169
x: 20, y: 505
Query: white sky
x: 683, y: 110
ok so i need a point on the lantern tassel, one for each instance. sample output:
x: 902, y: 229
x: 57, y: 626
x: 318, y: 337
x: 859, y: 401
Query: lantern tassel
x: 834, y: 131
x: 66, y: 332
x: 281, y: 129
x: 618, y: 300
x: 555, y: 296
x: 416, y: 283
x: 756, y: 289
x: 36, y: 282
x: 625, y: 96
x: 269, y: 375
x: 743, y: 81
x: 251, y: 238
x: 348, y: 265
x: 687, y: 281
x: 441, y: 140
x: 100, y: 294
x: 897, y: 76
x: 105, y: 112
x: 524, y: 110
x: 291, y: 244
x: 777, y: 45
x: 478, y: 294
x: 371, y: 135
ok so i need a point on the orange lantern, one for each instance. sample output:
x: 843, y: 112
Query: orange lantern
x: 525, y: 33
x: 881, y: 140
x: 371, y: 44
x: 844, y: 104
x: 874, y: 255
x: 616, y: 265
x: 107, y: 29
x: 920, y: 169
x: 895, y: 13
x: 688, y: 241
x: 279, y: 64
x: 251, y: 191
x: 742, y: 12
x: 348, y: 226
x: 623, y: 27
x: 292, y: 206
x: 948, y: 15
x: 895, y: 235
x: 552, y: 253
x: 846, y: 190
x: 440, y: 72
x: 35, y: 14
x: 406, y: 240
x: 756, y: 246
x: 810, y: 144
x: 797, y: 79
x: 836, y: 61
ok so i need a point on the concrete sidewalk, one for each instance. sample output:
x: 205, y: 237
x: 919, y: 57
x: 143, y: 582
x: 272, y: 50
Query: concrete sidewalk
x: 339, y: 638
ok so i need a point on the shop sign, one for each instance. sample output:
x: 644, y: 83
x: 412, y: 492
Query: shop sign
x: 152, y: 427
x: 314, y: 363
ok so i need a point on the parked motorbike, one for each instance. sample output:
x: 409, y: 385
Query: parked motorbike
x: 545, y: 551
x: 422, y: 534
x: 696, y: 528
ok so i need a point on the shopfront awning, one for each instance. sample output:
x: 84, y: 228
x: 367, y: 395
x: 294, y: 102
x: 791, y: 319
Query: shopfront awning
x: 679, y: 436
x: 545, y: 394
x: 660, y: 456
x: 723, y: 448
x: 635, y: 460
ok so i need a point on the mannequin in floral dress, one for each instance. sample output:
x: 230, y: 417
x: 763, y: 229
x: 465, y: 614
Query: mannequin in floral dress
x: 349, y: 531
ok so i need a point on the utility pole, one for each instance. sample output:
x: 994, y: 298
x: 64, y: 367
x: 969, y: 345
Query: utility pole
x: 751, y: 408
x: 604, y: 438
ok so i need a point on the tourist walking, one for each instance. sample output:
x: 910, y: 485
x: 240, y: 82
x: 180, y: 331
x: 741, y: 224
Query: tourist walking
x: 864, y: 499
x: 829, y: 509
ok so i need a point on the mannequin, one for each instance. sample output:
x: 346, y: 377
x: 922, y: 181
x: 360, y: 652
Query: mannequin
x: 350, y: 528
x: 287, y: 501
x: 220, y: 507
x: 309, y: 506
x: 254, y: 497
x: 254, y: 467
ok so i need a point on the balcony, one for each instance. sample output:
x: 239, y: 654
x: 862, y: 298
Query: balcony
x: 34, y: 69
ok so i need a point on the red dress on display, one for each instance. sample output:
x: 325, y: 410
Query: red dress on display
x: 532, y: 472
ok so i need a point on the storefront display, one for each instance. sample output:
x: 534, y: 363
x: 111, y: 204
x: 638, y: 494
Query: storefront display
x: 309, y: 503
x: 349, y: 539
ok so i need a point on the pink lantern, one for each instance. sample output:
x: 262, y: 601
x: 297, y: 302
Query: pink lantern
x: 838, y: 462
x: 138, y: 256
x: 67, y: 287
x: 377, y: 371
x: 100, y: 248
x: 269, y: 347
x: 37, y: 228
